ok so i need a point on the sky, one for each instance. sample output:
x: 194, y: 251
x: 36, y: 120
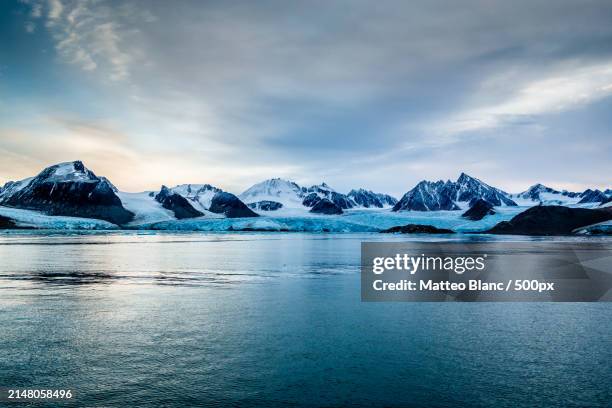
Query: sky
x: 355, y: 93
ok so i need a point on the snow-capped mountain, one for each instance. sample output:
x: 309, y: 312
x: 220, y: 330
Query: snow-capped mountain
x: 199, y: 195
x: 592, y: 196
x: 274, y: 194
x: 176, y: 203
x: 314, y: 194
x: 206, y: 198
x: 68, y: 189
x: 284, y: 192
x: 13, y: 187
x: 470, y: 189
x: 428, y: 196
x: 541, y: 194
x: 447, y: 195
x: 369, y: 199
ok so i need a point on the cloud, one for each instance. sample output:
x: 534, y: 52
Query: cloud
x: 555, y: 91
x: 55, y: 9
x: 91, y: 34
x: 322, y: 90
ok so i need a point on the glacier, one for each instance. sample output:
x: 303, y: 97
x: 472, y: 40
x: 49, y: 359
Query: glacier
x: 351, y: 221
x: 38, y: 220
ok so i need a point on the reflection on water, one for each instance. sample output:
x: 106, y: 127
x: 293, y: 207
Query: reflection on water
x: 133, y: 319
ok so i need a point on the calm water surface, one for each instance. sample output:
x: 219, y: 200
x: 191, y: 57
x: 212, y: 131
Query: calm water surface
x: 179, y: 320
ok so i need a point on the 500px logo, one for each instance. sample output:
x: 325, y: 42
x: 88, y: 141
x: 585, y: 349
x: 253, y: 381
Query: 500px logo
x: 413, y: 264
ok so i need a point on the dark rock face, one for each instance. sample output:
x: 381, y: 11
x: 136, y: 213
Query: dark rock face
x: 265, y: 205
x: 479, y: 209
x: 312, y: 195
x: 551, y: 220
x: 325, y: 206
x: 440, y: 195
x: 592, y: 196
x: 599, y: 230
x: 468, y: 188
x: 341, y: 200
x: 607, y: 200
x: 69, y: 189
x: 417, y: 229
x: 177, y: 204
x: 6, y: 223
x: 369, y: 199
x: 230, y: 205
x: 311, y: 199
x: 428, y: 196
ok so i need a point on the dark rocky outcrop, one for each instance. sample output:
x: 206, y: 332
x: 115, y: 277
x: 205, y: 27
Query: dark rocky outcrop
x: 265, y: 205
x: 417, y: 229
x: 551, y: 220
x: 230, y: 205
x: 325, y: 206
x: 311, y: 199
x: 69, y: 189
x: 177, y: 204
x: 7, y: 223
x: 479, y: 209
x: 597, y: 230
x: 341, y: 200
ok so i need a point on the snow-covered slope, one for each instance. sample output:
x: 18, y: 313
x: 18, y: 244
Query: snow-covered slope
x: 183, y: 201
x: 285, y: 192
x: 12, y: 187
x: 145, y: 208
x: 35, y: 219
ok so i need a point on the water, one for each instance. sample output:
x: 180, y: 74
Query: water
x: 177, y: 320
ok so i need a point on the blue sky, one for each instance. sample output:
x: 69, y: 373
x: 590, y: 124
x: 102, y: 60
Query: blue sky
x: 355, y: 93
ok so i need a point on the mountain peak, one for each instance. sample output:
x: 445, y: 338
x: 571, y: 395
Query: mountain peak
x: 68, y: 171
x: 440, y: 195
x: 541, y: 188
x: 466, y: 178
